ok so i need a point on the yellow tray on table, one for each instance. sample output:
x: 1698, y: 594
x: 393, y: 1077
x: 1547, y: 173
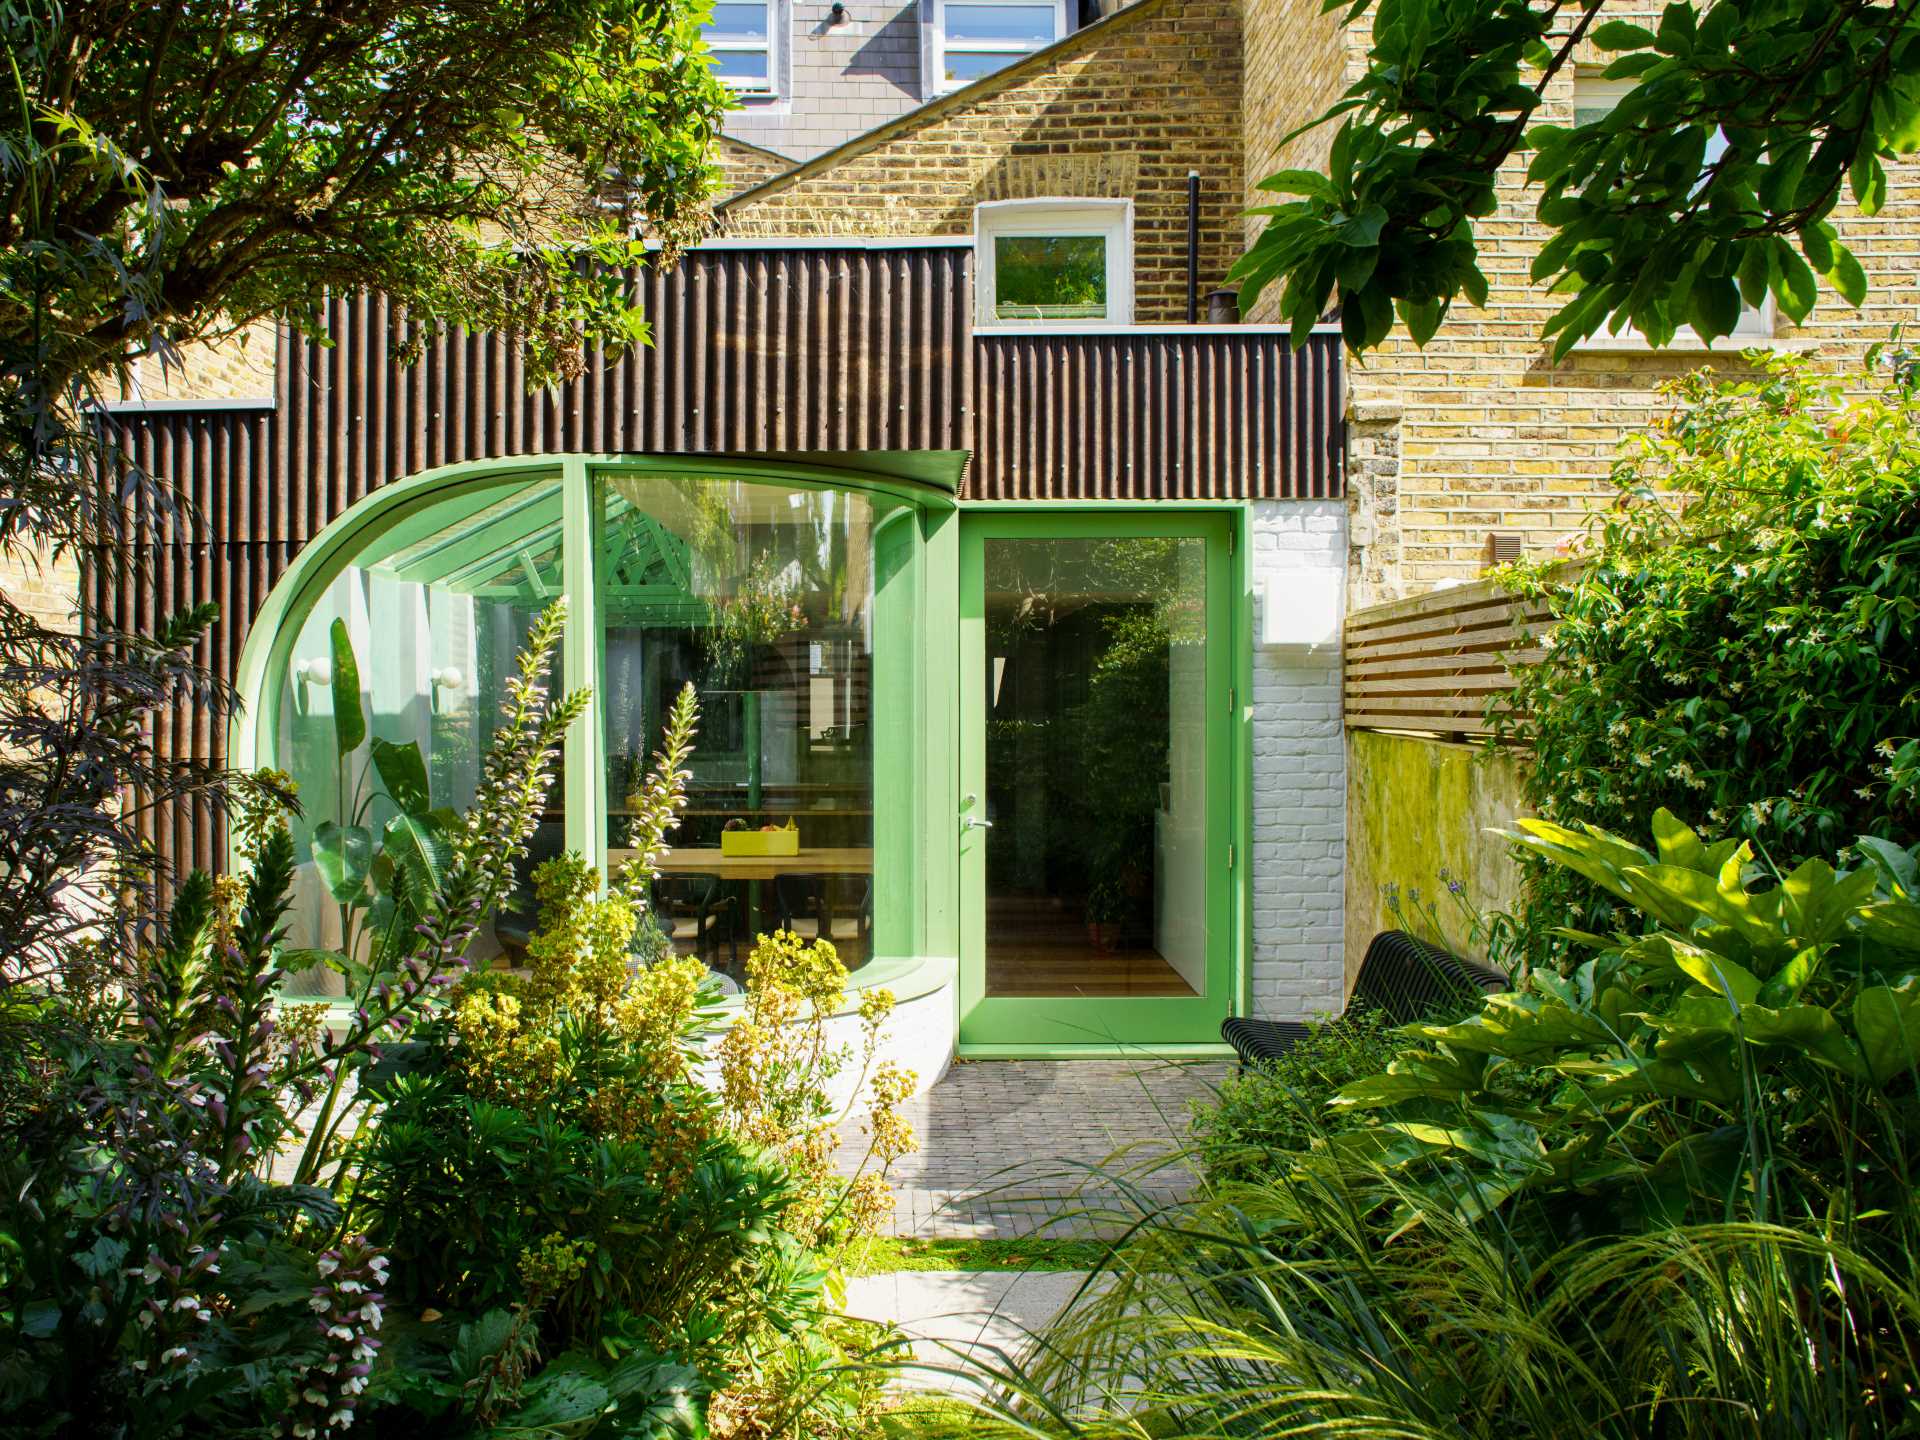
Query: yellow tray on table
x: 761, y: 842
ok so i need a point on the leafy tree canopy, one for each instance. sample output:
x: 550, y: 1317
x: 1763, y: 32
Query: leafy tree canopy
x: 175, y: 168
x: 1650, y: 220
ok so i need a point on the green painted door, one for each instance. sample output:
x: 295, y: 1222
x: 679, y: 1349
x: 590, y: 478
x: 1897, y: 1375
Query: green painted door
x: 1097, y: 814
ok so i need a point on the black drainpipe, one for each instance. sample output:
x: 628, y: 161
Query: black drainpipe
x: 1193, y: 246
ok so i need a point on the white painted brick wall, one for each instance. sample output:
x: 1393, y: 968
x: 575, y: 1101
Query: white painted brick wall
x: 1299, y: 780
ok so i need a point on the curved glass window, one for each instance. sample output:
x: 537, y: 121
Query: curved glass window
x: 791, y: 609
x: 765, y: 599
x: 426, y: 625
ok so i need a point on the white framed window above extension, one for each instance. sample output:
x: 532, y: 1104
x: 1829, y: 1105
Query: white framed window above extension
x: 744, y: 36
x: 1053, y: 262
x: 1594, y: 96
x: 968, y: 39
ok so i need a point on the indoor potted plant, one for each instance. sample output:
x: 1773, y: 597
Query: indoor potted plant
x: 1106, y: 903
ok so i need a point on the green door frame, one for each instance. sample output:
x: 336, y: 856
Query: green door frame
x: 1067, y: 1027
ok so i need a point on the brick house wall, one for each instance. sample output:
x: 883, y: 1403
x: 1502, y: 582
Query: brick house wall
x: 1123, y: 109
x: 1298, y: 864
x: 232, y: 367
x: 47, y: 589
x: 1295, y: 67
x: 743, y: 166
x: 1479, y: 432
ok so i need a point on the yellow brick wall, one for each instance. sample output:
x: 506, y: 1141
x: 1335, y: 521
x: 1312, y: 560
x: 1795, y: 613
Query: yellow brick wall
x: 744, y: 166
x: 45, y: 588
x: 234, y: 367
x: 1125, y: 113
x: 1479, y: 431
x: 1295, y: 68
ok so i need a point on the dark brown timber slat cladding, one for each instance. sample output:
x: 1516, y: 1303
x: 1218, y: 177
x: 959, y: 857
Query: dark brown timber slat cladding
x: 753, y: 350
x: 1433, y: 662
x: 1143, y: 416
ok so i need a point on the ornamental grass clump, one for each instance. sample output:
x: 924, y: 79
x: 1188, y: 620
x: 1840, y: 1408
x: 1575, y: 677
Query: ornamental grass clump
x: 1669, y: 1192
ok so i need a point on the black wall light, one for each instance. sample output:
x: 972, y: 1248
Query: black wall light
x: 838, y: 14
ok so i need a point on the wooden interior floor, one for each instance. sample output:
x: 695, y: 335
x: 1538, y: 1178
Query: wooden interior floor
x: 1034, y: 950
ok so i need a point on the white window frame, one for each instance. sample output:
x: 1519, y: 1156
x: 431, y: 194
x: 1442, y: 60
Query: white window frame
x: 1112, y: 220
x: 1594, y: 92
x: 937, y: 82
x: 776, y: 28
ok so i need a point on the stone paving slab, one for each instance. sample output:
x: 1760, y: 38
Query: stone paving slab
x: 1010, y: 1148
x: 956, y: 1320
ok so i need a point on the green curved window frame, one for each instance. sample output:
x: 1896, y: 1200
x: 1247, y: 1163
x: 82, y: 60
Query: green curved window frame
x: 920, y: 754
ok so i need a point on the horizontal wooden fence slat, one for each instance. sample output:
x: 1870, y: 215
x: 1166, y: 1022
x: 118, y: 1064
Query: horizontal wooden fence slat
x: 1439, y: 662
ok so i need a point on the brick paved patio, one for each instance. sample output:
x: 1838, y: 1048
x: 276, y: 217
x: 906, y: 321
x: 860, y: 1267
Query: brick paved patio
x: 1013, y: 1147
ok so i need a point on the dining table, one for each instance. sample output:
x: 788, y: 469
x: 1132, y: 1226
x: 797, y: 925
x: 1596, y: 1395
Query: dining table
x: 709, y: 860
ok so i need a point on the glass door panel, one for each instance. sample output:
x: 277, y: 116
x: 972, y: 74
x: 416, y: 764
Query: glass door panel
x: 1092, y: 842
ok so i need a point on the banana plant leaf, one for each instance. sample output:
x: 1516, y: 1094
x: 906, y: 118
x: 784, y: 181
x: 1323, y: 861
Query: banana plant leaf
x: 344, y: 855
x: 404, y: 774
x: 349, y: 720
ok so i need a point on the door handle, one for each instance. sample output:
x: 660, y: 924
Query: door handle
x: 973, y: 822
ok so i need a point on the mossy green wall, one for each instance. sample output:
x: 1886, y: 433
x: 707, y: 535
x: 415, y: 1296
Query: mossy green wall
x: 1414, y: 807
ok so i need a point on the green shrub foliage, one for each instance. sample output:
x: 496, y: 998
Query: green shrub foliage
x: 513, y: 1209
x: 1740, y: 647
x: 155, y: 1274
x: 1271, y: 1109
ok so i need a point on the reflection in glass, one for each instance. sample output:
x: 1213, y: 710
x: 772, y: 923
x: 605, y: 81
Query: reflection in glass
x: 737, y: 20
x: 1050, y: 277
x: 1031, y: 24
x: 434, y: 616
x: 763, y: 597
x: 741, y: 67
x: 1095, y: 766
x: 965, y: 66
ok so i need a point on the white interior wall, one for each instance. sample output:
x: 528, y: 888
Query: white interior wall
x: 1180, y: 826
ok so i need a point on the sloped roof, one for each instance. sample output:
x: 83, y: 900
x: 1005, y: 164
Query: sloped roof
x: 941, y: 105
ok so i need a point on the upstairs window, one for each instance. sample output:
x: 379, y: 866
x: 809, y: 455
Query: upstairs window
x: 1054, y: 262
x: 972, y: 38
x: 1594, y: 97
x: 742, y: 36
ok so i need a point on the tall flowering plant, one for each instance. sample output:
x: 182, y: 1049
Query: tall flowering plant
x: 151, y: 1249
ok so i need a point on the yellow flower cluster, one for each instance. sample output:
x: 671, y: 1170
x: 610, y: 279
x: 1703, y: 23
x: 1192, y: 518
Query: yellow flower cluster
x: 507, y: 1060
x: 577, y: 959
x: 775, y: 1068
x: 552, y: 1265
x: 581, y: 978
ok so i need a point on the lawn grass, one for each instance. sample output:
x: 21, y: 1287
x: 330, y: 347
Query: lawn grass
x: 922, y: 1417
x: 884, y: 1254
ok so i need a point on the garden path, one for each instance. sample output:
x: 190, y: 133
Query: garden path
x: 1010, y: 1148
x: 954, y: 1320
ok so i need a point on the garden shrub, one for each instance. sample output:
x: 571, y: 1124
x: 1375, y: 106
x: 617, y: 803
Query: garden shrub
x: 550, y: 1172
x: 1266, y: 1112
x: 561, y: 1104
x: 550, y: 1227
x: 1739, y: 645
x: 1669, y: 1192
x: 154, y: 1276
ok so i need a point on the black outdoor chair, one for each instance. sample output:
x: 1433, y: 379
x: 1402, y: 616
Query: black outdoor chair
x: 824, y: 899
x: 694, y: 908
x: 1401, y: 977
